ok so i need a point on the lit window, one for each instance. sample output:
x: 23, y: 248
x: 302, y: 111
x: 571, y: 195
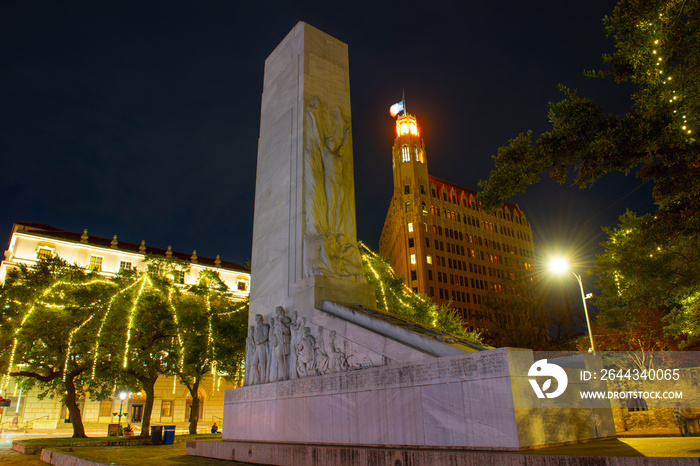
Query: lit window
x: 124, y: 265
x: 44, y: 253
x: 413, y: 258
x: 106, y: 408
x: 166, y: 409
x: 405, y: 154
x: 415, y: 152
x: 408, y: 206
x: 180, y: 277
x: 414, y: 128
x: 96, y: 263
x: 410, y: 226
x: 429, y: 259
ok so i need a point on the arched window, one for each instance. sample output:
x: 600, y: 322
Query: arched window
x: 408, y: 206
x: 425, y: 209
x: 405, y: 154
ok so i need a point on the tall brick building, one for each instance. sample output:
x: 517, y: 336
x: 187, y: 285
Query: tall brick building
x: 438, y: 237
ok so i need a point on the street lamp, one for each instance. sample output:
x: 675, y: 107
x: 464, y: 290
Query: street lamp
x: 122, y: 397
x: 561, y: 266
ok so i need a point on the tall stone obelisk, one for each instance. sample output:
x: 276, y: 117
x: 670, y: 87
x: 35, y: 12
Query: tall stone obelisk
x: 304, y: 236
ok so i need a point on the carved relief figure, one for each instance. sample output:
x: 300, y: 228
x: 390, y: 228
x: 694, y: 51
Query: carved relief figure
x: 271, y: 360
x: 295, y: 327
x: 281, y: 340
x: 262, y: 332
x: 339, y: 361
x: 306, y: 353
x: 250, y: 371
x: 321, y: 354
x: 329, y: 230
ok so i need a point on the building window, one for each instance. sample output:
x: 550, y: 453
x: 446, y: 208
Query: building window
x: 166, y: 409
x: 422, y: 189
x: 44, y: 253
x: 241, y: 286
x: 180, y: 277
x: 124, y: 265
x: 407, y: 189
x: 432, y: 292
x: 411, y: 242
x: 410, y: 227
x: 106, y: 408
x: 414, y: 275
x: 96, y: 263
x: 430, y: 274
x: 405, y: 154
x: 408, y: 206
x: 424, y: 208
x: 429, y: 259
x: 413, y: 258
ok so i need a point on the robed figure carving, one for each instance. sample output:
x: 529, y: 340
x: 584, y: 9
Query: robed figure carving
x: 330, y: 248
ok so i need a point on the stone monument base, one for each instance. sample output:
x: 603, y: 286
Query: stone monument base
x: 479, y: 400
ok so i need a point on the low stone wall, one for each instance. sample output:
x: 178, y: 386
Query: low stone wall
x: 30, y: 448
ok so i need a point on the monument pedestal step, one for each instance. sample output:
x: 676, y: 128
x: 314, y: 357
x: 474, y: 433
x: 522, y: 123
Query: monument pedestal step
x: 290, y: 454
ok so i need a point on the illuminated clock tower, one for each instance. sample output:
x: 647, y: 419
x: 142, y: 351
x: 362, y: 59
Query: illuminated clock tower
x: 439, y: 239
x: 410, y: 204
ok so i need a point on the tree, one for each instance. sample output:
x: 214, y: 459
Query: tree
x: 48, y: 327
x: 647, y: 301
x: 211, y: 336
x: 516, y: 316
x: 657, y: 49
x: 394, y: 297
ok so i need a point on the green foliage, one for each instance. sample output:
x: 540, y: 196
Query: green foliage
x: 105, y: 332
x: 394, y: 297
x: 658, y: 51
x: 646, y: 279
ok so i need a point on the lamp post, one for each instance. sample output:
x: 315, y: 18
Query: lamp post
x: 561, y: 266
x: 122, y: 397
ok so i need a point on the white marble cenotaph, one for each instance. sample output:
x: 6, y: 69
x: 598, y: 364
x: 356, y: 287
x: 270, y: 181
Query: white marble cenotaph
x: 328, y: 376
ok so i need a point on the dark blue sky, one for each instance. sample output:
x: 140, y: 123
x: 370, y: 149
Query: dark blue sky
x: 141, y: 118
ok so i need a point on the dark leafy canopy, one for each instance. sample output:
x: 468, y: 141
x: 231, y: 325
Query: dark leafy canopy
x: 649, y: 283
x: 658, y: 50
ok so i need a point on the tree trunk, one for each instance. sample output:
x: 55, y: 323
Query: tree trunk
x: 72, y: 405
x: 147, y: 383
x: 194, y: 414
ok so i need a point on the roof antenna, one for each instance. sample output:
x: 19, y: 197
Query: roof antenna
x: 403, y: 101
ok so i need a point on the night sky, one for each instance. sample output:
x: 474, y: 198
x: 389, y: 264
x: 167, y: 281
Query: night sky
x: 141, y: 119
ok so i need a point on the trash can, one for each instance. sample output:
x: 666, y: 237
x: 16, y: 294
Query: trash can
x: 168, y: 435
x: 156, y: 435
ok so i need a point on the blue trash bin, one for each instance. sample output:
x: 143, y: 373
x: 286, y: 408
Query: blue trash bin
x: 168, y: 435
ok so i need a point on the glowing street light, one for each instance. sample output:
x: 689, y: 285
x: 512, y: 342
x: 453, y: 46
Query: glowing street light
x: 122, y: 397
x: 560, y: 266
